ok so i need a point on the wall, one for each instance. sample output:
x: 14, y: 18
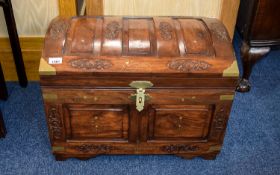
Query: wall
x: 225, y: 10
x: 32, y: 16
x: 209, y: 8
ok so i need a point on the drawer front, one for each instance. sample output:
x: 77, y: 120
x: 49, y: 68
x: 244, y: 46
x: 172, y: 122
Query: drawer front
x: 96, y: 121
x: 177, y: 122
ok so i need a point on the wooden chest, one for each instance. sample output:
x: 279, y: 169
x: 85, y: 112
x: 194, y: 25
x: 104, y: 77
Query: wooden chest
x: 114, y: 85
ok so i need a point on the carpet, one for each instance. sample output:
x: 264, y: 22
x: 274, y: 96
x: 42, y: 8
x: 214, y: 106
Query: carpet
x: 251, y: 145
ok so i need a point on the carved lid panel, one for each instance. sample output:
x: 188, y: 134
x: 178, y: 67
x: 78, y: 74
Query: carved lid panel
x: 77, y: 42
x: 137, y: 35
x: 139, y: 45
x: 117, y: 36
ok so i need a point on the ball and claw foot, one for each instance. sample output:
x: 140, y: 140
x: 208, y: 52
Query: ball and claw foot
x: 244, y: 86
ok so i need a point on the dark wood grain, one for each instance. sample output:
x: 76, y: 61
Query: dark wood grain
x: 89, y: 103
x: 180, y: 122
x: 259, y: 27
x: 97, y: 122
x: 250, y: 55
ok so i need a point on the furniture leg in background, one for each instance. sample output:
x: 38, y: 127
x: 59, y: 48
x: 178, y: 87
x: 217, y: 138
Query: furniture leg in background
x: 2, y: 126
x: 260, y: 31
x: 249, y: 56
x: 3, y: 96
x: 14, y: 40
x: 3, y: 87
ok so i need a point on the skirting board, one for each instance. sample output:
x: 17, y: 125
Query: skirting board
x: 31, y: 50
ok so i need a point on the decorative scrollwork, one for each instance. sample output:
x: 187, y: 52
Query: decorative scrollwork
x: 112, y: 30
x: 179, y: 148
x: 183, y: 65
x: 55, y: 124
x: 95, y: 148
x: 58, y: 29
x: 90, y: 64
x: 220, y: 119
x: 165, y: 31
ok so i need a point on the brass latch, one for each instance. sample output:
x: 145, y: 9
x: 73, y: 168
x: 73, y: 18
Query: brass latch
x: 140, y: 97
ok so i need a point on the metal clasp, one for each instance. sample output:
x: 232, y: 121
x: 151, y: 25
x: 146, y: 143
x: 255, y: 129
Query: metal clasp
x: 140, y: 97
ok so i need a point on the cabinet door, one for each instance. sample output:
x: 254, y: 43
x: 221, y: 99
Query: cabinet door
x: 96, y: 121
x: 179, y: 122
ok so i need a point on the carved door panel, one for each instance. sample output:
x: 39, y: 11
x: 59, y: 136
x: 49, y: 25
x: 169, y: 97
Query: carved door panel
x: 104, y: 122
x: 185, y: 123
x: 179, y: 122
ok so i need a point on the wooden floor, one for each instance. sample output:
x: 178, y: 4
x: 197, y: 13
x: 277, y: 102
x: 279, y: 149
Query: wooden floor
x: 31, y: 49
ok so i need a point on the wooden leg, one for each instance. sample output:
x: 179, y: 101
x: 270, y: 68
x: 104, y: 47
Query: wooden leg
x: 186, y: 156
x: 84, y: 158
x: 210, y: 156
x: 14, y: 40
x: 249, y: 56
x: 60, y: 157
x: 3, y: 87
x: 2, y: 126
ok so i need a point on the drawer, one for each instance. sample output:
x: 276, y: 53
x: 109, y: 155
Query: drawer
x: 96, y: 121
x: 179, y: 122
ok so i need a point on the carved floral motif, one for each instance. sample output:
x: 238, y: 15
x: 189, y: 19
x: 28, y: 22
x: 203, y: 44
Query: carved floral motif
x: 179, y: 148
x: 58, y: 29
x: 96, y: 148
x: 165, y: 30
x: 188, y: 65
x: 55, y: 124
x: 90, y: 64
x: 112, y: 30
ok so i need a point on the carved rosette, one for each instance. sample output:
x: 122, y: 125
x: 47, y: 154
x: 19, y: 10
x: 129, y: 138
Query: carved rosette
x: 112, y: 30
x: 179, y: 148
x: 59, y: 29
x: 165, y: 31
x: 188, y: 65
x: 93, y: 148
x: 91, y: 64
x: 55, y: 124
